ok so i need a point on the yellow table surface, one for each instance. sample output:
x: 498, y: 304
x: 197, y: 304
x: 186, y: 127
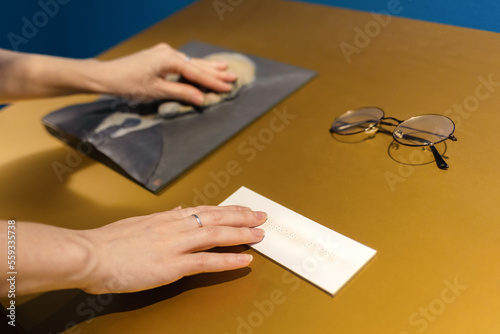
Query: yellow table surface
x: 436, y: 232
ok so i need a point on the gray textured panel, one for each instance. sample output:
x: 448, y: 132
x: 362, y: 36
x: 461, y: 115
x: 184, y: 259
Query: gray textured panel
x: 177, y: 144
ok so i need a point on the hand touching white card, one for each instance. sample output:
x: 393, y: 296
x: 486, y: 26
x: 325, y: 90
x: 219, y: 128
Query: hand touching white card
x: 320, y: 255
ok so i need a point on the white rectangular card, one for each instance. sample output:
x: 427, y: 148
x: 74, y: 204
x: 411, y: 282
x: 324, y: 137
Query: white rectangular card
x: 320, y: 255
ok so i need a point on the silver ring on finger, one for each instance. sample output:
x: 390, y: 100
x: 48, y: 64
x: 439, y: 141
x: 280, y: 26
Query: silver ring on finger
x: 197, y: 220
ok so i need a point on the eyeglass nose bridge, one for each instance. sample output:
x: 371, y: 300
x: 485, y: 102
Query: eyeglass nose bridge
x: 383, y: 121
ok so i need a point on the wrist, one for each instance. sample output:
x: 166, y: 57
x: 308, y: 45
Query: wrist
x: 52, y: 76
x: 90, y: 74
x: 53, y: 258
x: 82, y: 261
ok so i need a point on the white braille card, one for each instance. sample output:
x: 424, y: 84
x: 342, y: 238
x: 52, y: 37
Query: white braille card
x: 320, y: 255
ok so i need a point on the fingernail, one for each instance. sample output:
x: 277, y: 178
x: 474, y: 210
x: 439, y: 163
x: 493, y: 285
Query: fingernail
x: 260, y: 215
x: 258, y: 232
x: 241, y: 207
x: 229, y: 87
x: 245, y: 258
x: 198, y: 99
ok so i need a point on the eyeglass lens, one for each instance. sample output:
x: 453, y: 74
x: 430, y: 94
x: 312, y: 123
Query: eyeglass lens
x: 424, y: 130
x: 356, y: 121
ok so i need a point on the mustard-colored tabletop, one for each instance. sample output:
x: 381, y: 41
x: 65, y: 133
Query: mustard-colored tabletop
x: 436, y: 231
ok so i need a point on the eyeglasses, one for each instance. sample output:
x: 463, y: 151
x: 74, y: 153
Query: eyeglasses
x: 423, y: 130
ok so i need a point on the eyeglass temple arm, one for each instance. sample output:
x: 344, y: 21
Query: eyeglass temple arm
x: 451, y: 136
x: 352, y: 125
x: 439, y: 159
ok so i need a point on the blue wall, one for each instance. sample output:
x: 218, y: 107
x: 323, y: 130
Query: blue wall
x: 85, y: 28
x: 477, y: 14
x: 77, y: 28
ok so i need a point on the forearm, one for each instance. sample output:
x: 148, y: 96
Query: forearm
x: 31, y: 76
x: 46, y: 258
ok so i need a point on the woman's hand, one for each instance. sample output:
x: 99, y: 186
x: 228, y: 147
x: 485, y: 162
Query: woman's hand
x: 132, y: 254
x: 142, y: 75
x: 150, y: 251
x: 139, y: 76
